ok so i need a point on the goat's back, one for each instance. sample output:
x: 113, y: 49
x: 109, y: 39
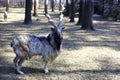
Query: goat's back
x: 31, y: 44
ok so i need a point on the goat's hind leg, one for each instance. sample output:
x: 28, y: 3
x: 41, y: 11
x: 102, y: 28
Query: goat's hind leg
x: 19, y: 65
x: 15, y: 60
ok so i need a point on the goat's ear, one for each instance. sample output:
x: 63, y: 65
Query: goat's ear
x: 60, y: 24
x: 52, y: 29
x: 63, y: 28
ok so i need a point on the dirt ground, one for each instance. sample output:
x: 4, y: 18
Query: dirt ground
x: 86, y: 55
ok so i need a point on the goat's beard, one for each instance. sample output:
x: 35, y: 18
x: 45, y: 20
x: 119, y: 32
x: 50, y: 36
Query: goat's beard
x: 58, y: 43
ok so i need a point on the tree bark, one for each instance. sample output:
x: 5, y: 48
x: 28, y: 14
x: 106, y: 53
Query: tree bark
x: 46, y: 6
x: 72, y: 13
x: 52, y: 5
x: 36, y: 4
x: 28, y: 8
x: 21, y: 3
x: 7, y: 5
x: 87, y: 19
x: 81, y: 8
x: 60, y: 7
x: 67, y: 8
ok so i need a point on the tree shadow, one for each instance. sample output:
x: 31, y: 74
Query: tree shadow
x: 106, y: 66
x: 5, y: 70
x: 105, y: 71
x: 29, y: 70
x: 77, y: 38
x: 9, y: 78
x: 105, y: 32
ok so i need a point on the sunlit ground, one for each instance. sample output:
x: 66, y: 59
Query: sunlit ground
x: 86, y: 55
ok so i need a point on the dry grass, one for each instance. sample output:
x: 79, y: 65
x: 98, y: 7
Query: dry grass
x: 86, y: 55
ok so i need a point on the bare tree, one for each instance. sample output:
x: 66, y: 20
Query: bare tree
x: 22, y: 3
x: 60, y: 7
x: 66, y: 13
x: 72, y: 13
x: 46, y: 6
x: 28, y: 8
x: 87, y: 18
x: 36, y: 4
x: 7, y: 5
x: 52, y: 5
x: 81, y: 8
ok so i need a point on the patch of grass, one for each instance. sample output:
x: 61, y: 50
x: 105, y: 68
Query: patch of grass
x: 86, y: 55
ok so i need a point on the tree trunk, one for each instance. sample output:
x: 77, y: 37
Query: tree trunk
x: 107, y: 8
x: 87, y: 19
x: 60, y: 7
x: 52, y: 5
x: 36, y: 4
x: 7, y: 5
x: 46, y: 6
x: 81, y: 8
x: 115, y: 2
x: 28, y: 8
x: 67, y: 8
x: 21, y: 3
x: 72, y: 13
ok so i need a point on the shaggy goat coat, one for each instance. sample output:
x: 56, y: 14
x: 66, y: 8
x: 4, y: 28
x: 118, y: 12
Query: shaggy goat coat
x: 26, y: 46
x: 29, y: 45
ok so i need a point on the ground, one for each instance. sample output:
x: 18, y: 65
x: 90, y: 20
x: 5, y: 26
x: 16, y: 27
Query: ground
x: 86, y: 55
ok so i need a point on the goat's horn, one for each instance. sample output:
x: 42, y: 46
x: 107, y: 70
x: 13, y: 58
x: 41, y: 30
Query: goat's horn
x: 50, y: 20
x: 61, y: 16
x: 60, y: 24
x: 61, y: 13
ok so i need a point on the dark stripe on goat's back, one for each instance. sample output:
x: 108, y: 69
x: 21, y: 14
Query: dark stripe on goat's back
x: 42, y: 38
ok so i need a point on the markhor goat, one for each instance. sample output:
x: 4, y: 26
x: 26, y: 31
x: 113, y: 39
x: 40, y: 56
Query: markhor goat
x: 26, y: 46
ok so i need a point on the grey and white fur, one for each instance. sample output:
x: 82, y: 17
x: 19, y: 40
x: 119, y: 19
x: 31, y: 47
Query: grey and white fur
x: 49, y: 47
x: 5, y: 15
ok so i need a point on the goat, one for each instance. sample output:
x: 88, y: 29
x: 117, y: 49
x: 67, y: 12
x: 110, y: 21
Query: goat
x: 5, y: 15
x: 49, y: 47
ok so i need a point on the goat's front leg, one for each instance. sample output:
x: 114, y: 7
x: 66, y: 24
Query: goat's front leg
x: 45, y: 67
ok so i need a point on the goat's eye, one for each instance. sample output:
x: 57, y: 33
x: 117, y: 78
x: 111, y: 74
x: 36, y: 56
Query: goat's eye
x: 54, y: 32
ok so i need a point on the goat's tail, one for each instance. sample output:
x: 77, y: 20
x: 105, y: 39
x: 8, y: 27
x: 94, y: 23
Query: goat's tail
x: 11, y: 44
x: 14, y: 42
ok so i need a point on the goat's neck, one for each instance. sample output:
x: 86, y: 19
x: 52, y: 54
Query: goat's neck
x: 56, y: 43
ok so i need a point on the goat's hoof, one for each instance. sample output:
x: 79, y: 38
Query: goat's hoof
x: 46, y: 71
x: 20, y: 72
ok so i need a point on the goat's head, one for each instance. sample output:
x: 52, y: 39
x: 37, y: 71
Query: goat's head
x: 57, y: 29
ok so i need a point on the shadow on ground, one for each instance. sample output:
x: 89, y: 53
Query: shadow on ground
x: 106, y: 35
